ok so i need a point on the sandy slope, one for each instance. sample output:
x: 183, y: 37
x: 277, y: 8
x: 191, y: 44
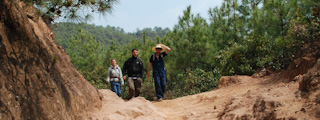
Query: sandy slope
x: 209, y: 104
x: 115, y: 108
x: 248, y: 98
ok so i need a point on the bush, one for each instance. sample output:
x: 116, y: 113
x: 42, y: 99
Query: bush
x: 148, y: 89
x: 199, y: 80
x: 257, y: 52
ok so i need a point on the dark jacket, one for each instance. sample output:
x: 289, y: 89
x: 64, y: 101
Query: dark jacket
x: 133, y: 67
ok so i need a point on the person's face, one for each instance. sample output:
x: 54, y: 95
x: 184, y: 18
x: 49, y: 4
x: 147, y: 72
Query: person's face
x: 114, y: 62
x: 135, y: 53
x: 158, y: 50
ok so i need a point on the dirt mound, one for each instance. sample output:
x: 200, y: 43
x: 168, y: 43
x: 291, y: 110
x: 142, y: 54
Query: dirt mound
x: 310, y: 82
x: 230, y: 80
x: 37, y: 79
x: 306, y: 59
x: 115, y: 108
x: 254, y: 99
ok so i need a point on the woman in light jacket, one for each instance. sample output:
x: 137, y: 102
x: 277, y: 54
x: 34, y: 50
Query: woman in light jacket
x: 115, y: 77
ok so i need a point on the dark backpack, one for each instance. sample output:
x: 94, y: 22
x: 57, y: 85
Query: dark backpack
x: 154, y: 56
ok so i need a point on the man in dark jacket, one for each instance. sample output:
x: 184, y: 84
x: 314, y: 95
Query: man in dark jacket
x: 133, y: 68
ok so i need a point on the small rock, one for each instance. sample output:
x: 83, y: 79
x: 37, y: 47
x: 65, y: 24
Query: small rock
x: 303, y: 110
x: 17, y: 98
x: 297, y: 78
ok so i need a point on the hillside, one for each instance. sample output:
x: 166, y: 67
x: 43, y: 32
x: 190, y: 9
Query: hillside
x: 106, y: 35
x: 38, y: 82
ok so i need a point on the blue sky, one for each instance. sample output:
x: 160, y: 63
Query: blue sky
x: 138, y: 14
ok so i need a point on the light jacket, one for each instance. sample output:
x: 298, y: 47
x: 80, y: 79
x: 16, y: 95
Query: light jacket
x: 115, y: 74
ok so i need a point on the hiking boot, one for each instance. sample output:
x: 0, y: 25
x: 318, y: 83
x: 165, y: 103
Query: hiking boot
x: 160, y: 99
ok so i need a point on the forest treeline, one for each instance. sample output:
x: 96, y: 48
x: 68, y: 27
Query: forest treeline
x: 239, y: 38
x: 105, y: 35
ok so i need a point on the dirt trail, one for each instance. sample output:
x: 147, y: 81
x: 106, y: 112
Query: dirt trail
x: 206, y: 105
x: 246, y: 98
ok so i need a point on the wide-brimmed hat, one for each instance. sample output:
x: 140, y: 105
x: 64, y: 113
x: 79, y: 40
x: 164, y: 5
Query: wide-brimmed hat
x: 158, y: 47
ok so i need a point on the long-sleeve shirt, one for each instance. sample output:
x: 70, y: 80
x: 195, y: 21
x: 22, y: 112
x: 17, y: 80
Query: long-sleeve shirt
x: 115, y: 74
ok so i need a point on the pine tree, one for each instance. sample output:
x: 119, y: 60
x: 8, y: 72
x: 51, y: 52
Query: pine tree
x: 69, y: 9
x: 88, y: 55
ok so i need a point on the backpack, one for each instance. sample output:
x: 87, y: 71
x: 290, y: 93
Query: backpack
x: 154, y: 56
x: 117, y: 69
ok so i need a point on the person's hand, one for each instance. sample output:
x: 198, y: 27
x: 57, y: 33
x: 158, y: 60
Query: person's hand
x: 148, y: 75
x: 122, y: 85
x: 163, y: 45
x: 124, y: 78
x: 107, y: 82
x: 166, y: 47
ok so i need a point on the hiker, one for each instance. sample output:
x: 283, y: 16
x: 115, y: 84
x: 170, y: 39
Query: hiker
x: 133, y: 68
x: 115, y: 77
x: 159, y: 73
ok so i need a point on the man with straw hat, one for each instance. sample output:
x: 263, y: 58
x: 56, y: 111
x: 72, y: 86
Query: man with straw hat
x: 159, y: 73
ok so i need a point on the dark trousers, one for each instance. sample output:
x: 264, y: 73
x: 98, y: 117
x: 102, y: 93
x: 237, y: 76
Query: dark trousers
x: 160, y: 83
x: 116, y: 87
x: 134, y: 87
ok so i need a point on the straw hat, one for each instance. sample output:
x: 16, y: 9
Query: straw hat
x: 159, y: 47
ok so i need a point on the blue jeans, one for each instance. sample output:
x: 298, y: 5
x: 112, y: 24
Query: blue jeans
x: 116, y: 87
x: 160, y: 83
